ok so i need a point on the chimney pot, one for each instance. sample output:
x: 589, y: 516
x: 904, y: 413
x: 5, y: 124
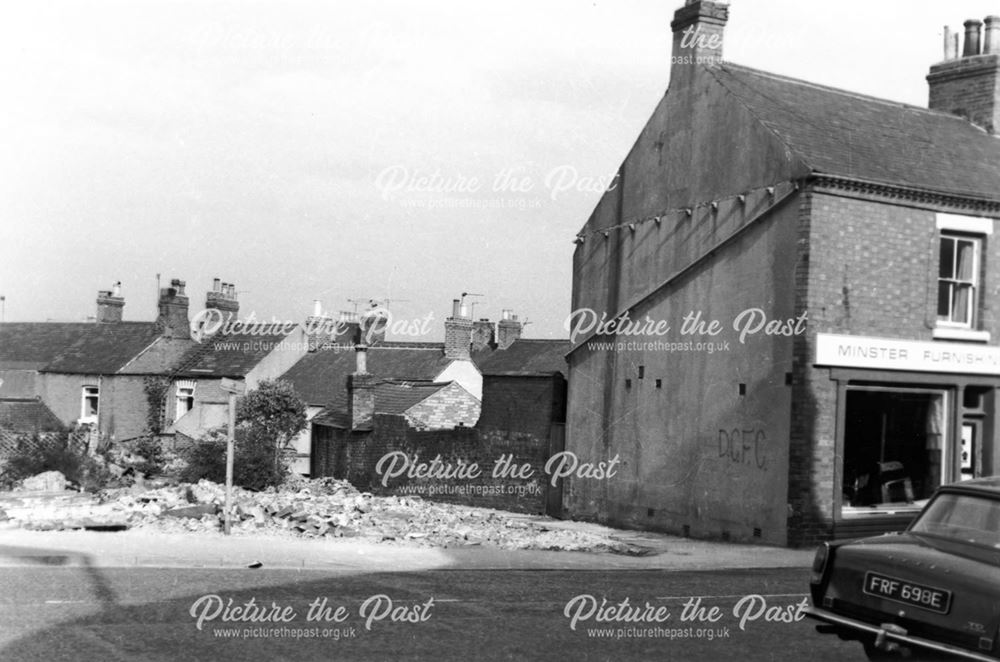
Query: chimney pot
x: 973, y: 28
x: 991, y: 42
x: 456, y: 308
x: 216, y: 285
x: 968, y: 86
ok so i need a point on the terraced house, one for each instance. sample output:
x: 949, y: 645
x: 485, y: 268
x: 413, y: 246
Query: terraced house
x: 827, y: 266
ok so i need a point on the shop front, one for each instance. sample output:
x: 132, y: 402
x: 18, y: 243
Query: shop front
x: 910, y: 416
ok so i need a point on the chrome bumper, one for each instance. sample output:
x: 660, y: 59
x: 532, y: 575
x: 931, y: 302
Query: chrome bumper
x: 883, y: 634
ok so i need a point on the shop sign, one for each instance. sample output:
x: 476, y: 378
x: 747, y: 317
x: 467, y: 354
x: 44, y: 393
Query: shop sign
x: 914, y: 355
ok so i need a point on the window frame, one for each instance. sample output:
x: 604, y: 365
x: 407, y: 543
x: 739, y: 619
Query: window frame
x: 189, y: 387
x: 88, y: 391
x: 973, y: 283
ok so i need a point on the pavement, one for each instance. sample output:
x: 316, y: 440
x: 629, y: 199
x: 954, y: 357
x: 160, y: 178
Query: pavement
x: 148, y: 548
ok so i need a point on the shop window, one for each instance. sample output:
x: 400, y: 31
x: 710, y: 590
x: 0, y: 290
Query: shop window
x: 958, y: 276
x: 895, y: 446
x: 185, y: 398
x: 90, y: 404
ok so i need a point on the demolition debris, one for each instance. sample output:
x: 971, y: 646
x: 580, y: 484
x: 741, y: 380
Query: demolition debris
x: 318, y: 508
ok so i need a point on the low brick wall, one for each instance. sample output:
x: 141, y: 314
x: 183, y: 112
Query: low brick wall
x: 355, y: 456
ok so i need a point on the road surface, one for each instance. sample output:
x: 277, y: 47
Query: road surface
x: 92, y: 613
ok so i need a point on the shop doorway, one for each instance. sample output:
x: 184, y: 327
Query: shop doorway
x: 895, y: 446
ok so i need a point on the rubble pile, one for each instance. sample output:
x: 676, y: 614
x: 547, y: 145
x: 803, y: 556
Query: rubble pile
x: 319, y: 508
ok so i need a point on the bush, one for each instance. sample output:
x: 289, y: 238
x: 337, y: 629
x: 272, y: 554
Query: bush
x: 253, y: 463
x: 151, y: 453
x: 206, y: 458
x: 34, y: 455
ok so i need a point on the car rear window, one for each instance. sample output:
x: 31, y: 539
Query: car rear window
x: 962, y: 517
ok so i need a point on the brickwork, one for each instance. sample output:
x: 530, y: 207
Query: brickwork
x: 355, y: 456
x: 522, y: 404
x: 457, y: 337
x: 483, y: 335
x: 968, y: 87
x: 865, y: 267
x: 448, y: 408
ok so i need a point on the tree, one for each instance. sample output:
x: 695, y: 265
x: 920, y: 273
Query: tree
x: 268, y: 419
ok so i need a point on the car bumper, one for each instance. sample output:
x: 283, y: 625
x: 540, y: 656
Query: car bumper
x: 886, y: 635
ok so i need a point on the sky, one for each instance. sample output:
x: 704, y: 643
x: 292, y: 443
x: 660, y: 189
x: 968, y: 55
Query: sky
x: 339, y: 151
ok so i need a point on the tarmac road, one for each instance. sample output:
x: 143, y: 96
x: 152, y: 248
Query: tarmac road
x: 84, y: 613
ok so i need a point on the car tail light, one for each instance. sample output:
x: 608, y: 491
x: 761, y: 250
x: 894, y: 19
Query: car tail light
x: 819, y: 562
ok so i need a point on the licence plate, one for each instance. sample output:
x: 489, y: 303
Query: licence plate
x: 917, y: 595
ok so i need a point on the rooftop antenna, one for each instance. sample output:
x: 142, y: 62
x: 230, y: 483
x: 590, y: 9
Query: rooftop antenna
x: 472, y: 309
x: 358, y: 302
x: 386, y: 301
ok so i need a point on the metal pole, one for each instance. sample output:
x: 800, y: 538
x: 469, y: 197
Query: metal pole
x: 230, y: 442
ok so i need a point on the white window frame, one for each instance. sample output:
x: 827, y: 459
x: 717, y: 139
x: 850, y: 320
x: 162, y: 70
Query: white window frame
x: 86, y: 392
x: 977, y: 227
x: 973, y: 283
x: 188, y: 389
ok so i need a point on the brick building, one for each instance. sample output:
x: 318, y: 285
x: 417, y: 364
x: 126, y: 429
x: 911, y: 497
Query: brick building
x: 391, y: 399
x: 86, y: 373
x: 321, y: 376
x: 843, y: 245
x: 250, y: 353
x: 128, y: 379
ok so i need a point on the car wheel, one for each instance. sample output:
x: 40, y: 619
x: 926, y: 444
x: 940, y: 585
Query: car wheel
x: 877, y: 654
x: 919, y: 655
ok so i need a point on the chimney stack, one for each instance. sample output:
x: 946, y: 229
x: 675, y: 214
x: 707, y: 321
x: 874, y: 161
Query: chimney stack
x: 222, y: 297
x: 508, y: 329
x: 698, y: 29
x: 457, y: 333
x: 110, y: 304
x: 173, y: 317
x: 483, y: 335
x: 969, y: 86
x: 374, y: 323
x: 361, y: 391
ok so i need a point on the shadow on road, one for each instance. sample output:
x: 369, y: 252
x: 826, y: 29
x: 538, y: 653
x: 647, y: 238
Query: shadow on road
x: 100, y: 586
x: 444, y: 614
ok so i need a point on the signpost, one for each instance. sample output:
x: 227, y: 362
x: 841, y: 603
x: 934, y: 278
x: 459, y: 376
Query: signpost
x: 233, y: 388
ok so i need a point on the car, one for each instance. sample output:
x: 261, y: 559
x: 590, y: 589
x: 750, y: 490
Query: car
x: 929, y: 592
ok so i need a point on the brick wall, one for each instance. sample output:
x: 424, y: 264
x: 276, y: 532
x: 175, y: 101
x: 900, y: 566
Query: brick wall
x: 354, y: 456
x: 968, y: 87
x: 122, y: 404
x: 866, y: 267
x: 523, y: 404
x: 450, y: 407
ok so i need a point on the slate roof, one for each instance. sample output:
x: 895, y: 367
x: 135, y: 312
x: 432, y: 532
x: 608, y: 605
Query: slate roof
x: 395, y: 397
x: 391, y: 397
x: 319, y: 377
x: 842, y: 133
x: 27, y: 415
x: 228, y: 355
x: 160, y: 358
x: 73, y: 347
x: 528, y: 358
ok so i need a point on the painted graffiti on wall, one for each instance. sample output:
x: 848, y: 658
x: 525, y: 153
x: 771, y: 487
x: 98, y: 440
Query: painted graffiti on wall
x: 744, y: 446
